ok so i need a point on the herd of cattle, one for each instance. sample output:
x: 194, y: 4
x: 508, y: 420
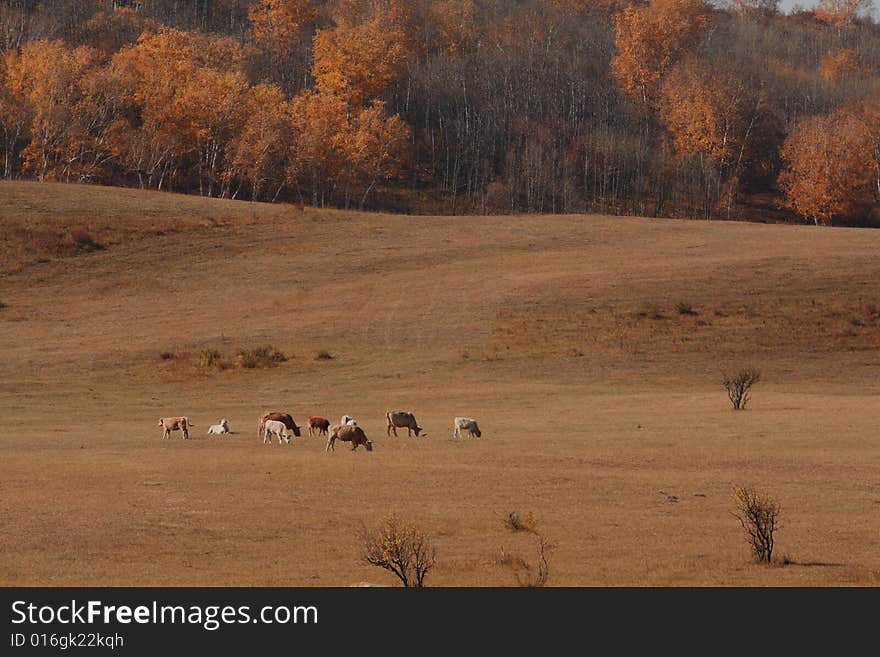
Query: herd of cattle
x: 282, y: 425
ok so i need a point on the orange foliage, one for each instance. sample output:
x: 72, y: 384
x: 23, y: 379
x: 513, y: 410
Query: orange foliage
x: 318, y: 157
x: 358, y: 62
x: 706, y: 111
x: 840, y: 12
x: 187, y: 90
x: 839, y: 64
x: 377, y: 145
x: 278, y: 22
x: 335, y: 146
x: 48, y: 77
x: 650, y: 39
x: 456, y: 24
x: 259, y: 152
x: 833, y: 163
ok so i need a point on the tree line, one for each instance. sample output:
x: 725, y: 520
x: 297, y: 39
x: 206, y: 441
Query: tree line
x: 659, y: 107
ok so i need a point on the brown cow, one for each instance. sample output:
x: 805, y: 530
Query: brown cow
x: 286, y: 418
x: 318, y: 426
x: 349, y: 434
x: 170, y: 424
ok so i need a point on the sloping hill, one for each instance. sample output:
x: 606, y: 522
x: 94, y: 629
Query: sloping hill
x: 589, y: 347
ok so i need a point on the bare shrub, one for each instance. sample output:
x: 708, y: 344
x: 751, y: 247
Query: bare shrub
x: 528, y: 574
x: 167, y: 355
x: 739, y: 385
x: 401, y: 548
x: 260, y: 357
x: 758, y: 513
x: 536, y: 573
x: 323, y: 355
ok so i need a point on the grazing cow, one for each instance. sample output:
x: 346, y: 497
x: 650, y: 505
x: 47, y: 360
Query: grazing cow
x: 286, y: 418
x: 348, y: 420
x: 465, y: 424
x: 276, y: 428
x: 349, y: 434
x: 402, y: 419
x: 170, y: 424
x: 219, y: 429
x: 318, y: 426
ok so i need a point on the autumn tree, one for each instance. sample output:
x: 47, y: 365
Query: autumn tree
x: 831, y: 164
x: 338, y: 149
x: 48, y: 76
x: 841, y: 13
x: 710, y: 113
x: 649, y: 39
x: 258, y: 153
x: 455, y: 25
x: 358, y: 61
x: 14, y: 111
x: 376, y: 147
x: 279, y: 31
x: 184, y: 90
x: 317, y: 160
x: 840, y: 64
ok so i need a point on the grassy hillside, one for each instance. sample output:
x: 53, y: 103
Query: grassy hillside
x: 600, y: 402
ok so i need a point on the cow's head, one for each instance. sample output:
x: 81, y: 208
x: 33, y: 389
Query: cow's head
x: 296, y: 431
x: 161, y: 422
x: 418, y: 430
x: 369, y: 445
x: 477, y: 432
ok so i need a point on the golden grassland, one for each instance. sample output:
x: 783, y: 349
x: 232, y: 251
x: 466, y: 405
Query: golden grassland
x: 601, y: 405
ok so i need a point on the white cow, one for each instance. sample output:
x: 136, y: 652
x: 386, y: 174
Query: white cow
x: 348, y: 420
x: 274, y: 427
x: 466, y: 424
x: 219, y: 429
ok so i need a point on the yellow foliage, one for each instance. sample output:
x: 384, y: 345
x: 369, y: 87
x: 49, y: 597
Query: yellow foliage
x: 650, y: 39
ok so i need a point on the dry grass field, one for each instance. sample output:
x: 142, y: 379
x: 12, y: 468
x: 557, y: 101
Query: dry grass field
x: 600, y: 404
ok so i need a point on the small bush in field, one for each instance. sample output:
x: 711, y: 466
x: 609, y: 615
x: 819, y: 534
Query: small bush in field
x: 739, y: 386
x: 758, y: 513
x: 324, y: 355
x: 260, y: 357
x: 400, y: 548
x: 167, y: 355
